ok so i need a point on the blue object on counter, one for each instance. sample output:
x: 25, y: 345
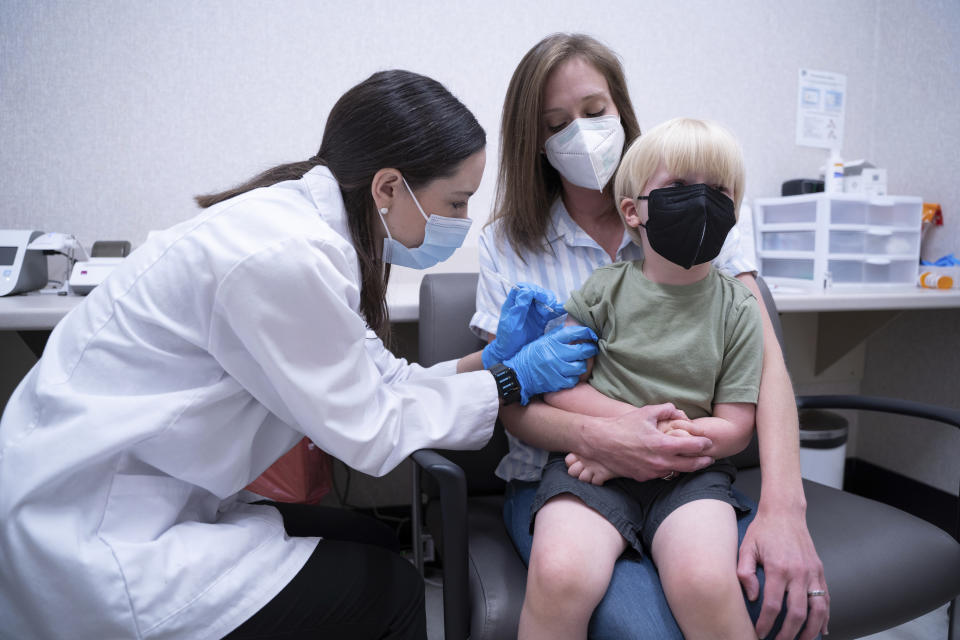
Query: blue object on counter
x: 948, y: 260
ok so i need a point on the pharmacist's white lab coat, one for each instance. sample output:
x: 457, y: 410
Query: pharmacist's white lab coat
x: 202, y: 359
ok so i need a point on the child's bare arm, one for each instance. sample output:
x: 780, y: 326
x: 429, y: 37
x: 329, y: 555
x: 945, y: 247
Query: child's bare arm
x: 584, y: 399
x: 730, y: 428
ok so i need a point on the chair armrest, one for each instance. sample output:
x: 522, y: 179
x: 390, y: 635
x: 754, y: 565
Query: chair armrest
x: 884, y: 405
x: 937, y: 413
x: 453, y: 506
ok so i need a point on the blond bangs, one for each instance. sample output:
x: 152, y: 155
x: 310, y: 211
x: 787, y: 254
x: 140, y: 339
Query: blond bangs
x: 685, y: 146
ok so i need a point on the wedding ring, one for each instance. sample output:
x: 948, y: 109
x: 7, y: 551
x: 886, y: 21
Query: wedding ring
x: 670, y: 476
x: 816, y: 592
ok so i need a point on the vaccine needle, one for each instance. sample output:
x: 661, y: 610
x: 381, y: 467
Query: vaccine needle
x: 510, y: 285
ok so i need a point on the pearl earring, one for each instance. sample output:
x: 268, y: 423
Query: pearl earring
x: 384, y: 211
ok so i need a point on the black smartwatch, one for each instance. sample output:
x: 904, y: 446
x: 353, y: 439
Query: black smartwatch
x: 508, y: 387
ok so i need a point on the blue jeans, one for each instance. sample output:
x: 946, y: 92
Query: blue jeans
x: 634, y: 607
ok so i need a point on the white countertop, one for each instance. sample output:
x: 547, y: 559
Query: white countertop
x: 859, y: 299
x: 34, y: 310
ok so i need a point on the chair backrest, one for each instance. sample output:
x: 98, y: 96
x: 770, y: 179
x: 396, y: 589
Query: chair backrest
x: 447, y: 302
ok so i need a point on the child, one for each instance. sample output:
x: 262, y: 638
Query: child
x: 672, y: 329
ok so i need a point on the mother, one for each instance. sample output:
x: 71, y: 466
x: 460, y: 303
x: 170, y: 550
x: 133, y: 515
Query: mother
x: 566, y: 120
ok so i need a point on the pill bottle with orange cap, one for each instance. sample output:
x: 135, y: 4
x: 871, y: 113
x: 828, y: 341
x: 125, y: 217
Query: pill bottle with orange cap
x: 932, y: 280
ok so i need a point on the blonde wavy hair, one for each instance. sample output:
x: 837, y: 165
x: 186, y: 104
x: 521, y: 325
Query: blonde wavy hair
x: 685, y: 146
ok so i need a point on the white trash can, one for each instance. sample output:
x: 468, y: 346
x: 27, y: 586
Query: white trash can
x: 823, y: 446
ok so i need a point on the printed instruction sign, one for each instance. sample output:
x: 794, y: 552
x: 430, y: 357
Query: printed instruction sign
x: 821, y: 104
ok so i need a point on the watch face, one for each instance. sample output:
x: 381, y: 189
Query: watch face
x: 508, y: 387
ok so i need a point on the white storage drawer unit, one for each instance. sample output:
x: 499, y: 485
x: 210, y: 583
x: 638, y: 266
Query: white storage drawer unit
x: 820, y: 240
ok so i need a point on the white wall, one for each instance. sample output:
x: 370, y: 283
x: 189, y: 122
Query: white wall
x: 115, y: 113
x: 917, y: 355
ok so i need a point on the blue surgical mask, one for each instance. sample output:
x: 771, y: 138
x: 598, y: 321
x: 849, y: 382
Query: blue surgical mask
x: 441, y: 238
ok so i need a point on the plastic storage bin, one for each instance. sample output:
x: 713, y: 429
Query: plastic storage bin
x: 791, y: 213
x: 885, y: 241
x: 787, y: 268
x: 819, y: 240
x: 845, y: 271
x: 789, y: 240
x: 883, y: 271
x: 847, y: 241
x: 848, y: 212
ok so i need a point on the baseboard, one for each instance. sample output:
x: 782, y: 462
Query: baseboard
x: 921, y: 500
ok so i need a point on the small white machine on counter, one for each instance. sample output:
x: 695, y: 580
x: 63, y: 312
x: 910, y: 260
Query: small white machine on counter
x: 105, y: 255
x: 21, y: 270
x: 88, y: 274
x: 53, y: 243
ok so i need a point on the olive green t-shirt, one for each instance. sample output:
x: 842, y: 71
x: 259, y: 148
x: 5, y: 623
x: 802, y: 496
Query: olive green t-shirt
x: 693, y: 345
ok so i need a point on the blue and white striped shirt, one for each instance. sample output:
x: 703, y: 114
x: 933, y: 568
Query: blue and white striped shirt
x: 573, y: 258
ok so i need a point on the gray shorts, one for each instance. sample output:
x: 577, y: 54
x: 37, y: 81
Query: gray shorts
x: 634, y: 508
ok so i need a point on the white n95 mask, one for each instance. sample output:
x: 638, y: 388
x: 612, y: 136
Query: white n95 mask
x: 587, y: 151
x: 442, y: 236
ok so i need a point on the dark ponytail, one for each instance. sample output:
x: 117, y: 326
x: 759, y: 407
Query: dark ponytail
x: 393, y: 119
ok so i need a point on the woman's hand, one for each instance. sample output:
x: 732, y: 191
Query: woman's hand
x: 591, y: 471
x: 523, y: 317
x: 631, y: 445
x: 554, y: 361
x: 781, y: 543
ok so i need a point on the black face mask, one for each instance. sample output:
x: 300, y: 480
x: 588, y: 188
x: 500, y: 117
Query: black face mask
x: 687, y: 225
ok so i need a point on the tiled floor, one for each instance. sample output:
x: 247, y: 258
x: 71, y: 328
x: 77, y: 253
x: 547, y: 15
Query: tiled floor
x: 932, y: 626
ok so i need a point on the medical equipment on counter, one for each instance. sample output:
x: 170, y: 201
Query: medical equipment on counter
x: 110, y: 249
x: 88, y: 274
x: 50, y: 243
x: 800, y: 186
x: 105, y: 255
x: 864, y: 177
x: 53, y: 243
x: 21, y: 270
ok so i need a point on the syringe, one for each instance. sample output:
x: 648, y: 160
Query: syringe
x: 558, y: 316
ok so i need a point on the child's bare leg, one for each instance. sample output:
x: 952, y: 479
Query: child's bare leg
x: 695, y: 550
x: 574, y: 550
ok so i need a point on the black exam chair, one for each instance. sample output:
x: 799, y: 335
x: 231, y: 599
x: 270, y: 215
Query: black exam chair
x: 883, y: 566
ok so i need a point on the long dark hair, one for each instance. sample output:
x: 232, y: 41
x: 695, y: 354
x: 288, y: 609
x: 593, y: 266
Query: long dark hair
x: 393, y: 119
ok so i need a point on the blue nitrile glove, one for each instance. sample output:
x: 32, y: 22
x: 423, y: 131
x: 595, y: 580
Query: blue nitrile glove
x: 551, y: 363
x: 523, y: 316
